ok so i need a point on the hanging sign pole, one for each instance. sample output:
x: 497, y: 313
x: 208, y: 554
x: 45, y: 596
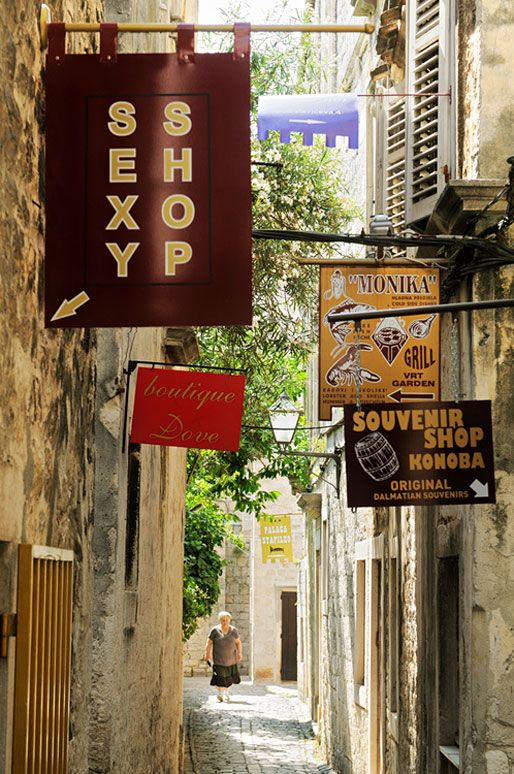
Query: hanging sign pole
x: 366, y: 29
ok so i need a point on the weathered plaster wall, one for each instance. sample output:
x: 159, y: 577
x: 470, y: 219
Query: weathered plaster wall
x: 486, y: 372
x: 62, y: 474
x: 343, y: 721
x: 485, y: 90
x: 468, y: 92
x: 47, y: 454
x: 490, y: 747
x: 496, y: 20
x: 137, y: 617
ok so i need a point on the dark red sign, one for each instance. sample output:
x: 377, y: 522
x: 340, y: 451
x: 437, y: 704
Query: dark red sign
x: 419, y: 454
x: 148, y: 191
x: 185, y: 408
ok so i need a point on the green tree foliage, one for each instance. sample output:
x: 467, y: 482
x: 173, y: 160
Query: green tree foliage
x: 293, y: 187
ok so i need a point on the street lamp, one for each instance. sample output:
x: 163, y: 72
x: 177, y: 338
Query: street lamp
x: 284, y: 417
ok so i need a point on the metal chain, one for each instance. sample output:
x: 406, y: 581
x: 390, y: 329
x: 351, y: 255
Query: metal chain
x: 358, y: 364
x: 455, y: 364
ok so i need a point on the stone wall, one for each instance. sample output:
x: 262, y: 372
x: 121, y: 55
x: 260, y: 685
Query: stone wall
x: 238, y: 596
x: 64, y: 479
x: 47, y: 377
x: 455, y: 569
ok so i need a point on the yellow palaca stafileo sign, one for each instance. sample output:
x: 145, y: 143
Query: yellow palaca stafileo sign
x: 276, y: 539
x: 393, y: 359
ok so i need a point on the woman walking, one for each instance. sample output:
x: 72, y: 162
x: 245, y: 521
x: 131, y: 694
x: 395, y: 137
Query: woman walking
x: 224, y: 644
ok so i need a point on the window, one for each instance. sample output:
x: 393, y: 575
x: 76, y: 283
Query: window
x: 395, y: 162
x: 393, y: 634
x: 43, y: 653
x: 368, y: 666
x: 448, y: 630
x: 360, y: 621
x: 132, y: 523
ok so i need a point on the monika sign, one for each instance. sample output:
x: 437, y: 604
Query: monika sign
x: 148, y: 190
x: 276, y: 539
x: 186, y: 408
x: 418, y: 454
x: 393, y: 359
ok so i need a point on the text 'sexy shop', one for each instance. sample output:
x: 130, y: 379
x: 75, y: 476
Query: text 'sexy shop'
x: 177, y: 210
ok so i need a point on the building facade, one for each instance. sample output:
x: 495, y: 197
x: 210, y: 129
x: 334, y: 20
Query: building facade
x: 406, y: 612
x: 73, y: 491
x: 261, y: 597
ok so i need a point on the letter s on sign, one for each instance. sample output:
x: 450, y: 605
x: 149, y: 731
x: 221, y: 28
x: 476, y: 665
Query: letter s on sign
x: 179, y: 122
x: 123, y: 122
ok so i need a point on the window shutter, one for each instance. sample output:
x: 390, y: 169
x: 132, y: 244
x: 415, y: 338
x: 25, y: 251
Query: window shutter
x: 428, y: 115
x: 390, y: 159
x: 395, y: 164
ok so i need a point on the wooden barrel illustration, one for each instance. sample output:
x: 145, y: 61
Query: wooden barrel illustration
x: 376, y: 456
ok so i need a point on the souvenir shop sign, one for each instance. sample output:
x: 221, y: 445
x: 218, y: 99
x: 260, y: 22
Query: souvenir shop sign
x: 395, y: 359
x: 419, y: 454
x: 276, y: 539
x: 191, y: 409
x: 148, y: 189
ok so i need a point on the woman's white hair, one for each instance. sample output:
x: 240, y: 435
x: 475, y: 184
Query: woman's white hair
x: 223, y: 613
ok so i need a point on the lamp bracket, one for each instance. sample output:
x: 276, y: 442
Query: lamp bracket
x: 335, y: 455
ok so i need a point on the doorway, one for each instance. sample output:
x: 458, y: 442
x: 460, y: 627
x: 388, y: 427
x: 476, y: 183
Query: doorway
x: 288, y: 668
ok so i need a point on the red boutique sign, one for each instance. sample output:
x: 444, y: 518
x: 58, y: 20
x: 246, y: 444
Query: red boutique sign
x: 186, y: 408
x: 148, y: 190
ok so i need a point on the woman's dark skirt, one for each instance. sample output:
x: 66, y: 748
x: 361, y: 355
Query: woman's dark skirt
x: 224, y: 676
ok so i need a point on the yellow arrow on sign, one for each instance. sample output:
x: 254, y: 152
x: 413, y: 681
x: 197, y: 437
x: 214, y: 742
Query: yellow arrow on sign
x: 67, y: 308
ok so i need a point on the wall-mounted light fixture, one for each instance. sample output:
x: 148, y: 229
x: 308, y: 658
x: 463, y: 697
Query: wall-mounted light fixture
x: 284, y: 418
x: 381, y: 225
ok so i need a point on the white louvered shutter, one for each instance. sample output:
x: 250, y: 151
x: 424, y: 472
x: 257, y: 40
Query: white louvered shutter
x: 390, y: 159
x: 428, y: 115
x: 395, y: 162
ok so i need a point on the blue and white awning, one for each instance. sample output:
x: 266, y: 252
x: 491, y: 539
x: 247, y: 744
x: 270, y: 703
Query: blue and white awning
x: 328, y: 114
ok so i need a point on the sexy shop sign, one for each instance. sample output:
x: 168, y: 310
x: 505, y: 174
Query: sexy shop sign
x: 184, y: 408
x: 148, y: 186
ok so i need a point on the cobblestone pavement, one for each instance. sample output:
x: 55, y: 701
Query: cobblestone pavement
x: 263, y: 730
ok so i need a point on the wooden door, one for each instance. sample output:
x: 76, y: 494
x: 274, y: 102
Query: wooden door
x: 43, y: 652
x: 288, y: 670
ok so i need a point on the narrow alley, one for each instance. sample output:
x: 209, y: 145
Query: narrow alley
x: 263, y: 730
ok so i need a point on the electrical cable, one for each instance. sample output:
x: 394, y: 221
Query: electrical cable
x: 437, y: 240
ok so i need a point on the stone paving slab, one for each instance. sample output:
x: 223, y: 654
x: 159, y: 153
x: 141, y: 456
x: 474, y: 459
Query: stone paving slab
x: 264, y: 729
